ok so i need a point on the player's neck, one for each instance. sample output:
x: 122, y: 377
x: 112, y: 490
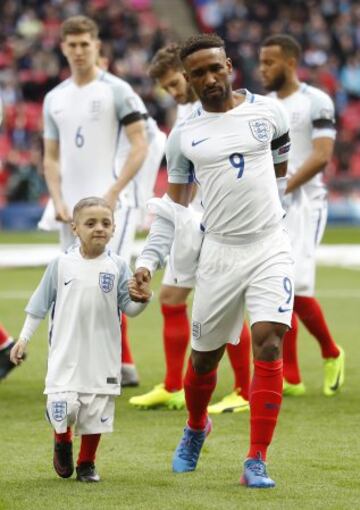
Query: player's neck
x: 85, y: 77
x: 288, y: 88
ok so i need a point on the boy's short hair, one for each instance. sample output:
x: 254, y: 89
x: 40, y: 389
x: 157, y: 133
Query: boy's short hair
x: 164, y: 60
x: 289, y: 46
x: 200, y: 42
x: 90, y: 202
x: 76, y: 25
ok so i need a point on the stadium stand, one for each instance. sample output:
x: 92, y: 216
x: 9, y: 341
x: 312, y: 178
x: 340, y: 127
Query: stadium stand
x: 131, y: 30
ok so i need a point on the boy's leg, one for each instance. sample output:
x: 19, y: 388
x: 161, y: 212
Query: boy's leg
x: 85, y: 468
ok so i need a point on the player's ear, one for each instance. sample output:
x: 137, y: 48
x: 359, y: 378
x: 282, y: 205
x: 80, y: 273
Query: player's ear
x: 63, y: 48
x: 186, y: 76
x: 229, y: 65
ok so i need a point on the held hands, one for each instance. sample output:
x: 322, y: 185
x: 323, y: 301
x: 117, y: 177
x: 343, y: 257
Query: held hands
x: 17, y: 352
x: 139, y: 285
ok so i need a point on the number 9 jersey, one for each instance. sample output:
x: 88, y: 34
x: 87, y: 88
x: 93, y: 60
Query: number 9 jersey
x: 231, y: 156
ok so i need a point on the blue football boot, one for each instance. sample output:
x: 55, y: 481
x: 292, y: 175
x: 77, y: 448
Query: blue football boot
x: 255, y: 475
x: 187, y: 453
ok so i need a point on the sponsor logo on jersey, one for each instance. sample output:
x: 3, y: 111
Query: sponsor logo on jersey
x: 284, y: 310
x: 196, y: 329
x: 194, y: 143
x: 103, y: 420
x: 59, y: 410
x: 106, y: 281
x: 261, y: 129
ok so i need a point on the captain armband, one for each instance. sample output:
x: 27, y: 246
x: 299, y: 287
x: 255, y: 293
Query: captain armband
x: 280, y: 148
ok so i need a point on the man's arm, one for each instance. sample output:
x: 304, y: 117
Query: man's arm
x: 53, y: 179
x: 136, y: 133
x: 316, y: 162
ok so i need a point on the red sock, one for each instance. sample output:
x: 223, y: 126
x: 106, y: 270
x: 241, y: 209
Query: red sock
x: 290, y: 356
x: 176, y: 335
x: 265, y: 402
x: 4, y: 335
x: 126, y: 356
x: 239, y: 356
x: 311, y: 314
x: 198, y: 391
x: 66, y: 437
x: 89, y: 444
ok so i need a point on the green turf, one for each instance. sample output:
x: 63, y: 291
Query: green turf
x: 314, y: 456
x: 333, y: 235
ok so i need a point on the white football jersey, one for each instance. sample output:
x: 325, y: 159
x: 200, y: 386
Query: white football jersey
x: 311, y: 115
x: 85, y: 297
x: 229, y: 155
x: 87, y: 123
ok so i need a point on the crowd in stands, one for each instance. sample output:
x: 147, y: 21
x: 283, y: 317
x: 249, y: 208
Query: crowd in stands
x: 31, y: 64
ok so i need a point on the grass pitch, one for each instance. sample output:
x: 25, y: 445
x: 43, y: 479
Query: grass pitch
x: 313, y: 458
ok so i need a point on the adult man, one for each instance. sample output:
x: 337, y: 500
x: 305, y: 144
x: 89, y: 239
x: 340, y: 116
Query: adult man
x: 82, y: 120
x: 167, y: 70
x: 312, y: 132
x: 230, y: 146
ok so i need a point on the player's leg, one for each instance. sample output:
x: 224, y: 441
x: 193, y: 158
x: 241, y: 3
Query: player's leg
x: 6, y: 344
x: 269, y: 300
x: 239, y: 356
x: 308, y: 307
x: 265, y: 400
x: 122, y: 244
x: 292, y: 385
x: 199, y: 384
x: 216, y: 318
x: 176, y: 335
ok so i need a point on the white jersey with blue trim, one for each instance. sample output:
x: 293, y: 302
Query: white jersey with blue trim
x: 311, y: 115
x: 230, y: 156
x: 85, y: 296
x: 87, y: 122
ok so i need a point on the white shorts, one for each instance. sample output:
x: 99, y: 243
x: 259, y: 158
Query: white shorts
x: 258, y: 275
x: 306, y: 226
x: 169, y: 279
x: 90, y: 413
x: 123, y: 239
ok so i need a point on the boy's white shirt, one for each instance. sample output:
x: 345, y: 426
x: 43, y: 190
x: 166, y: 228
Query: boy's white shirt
x: 86, y: 297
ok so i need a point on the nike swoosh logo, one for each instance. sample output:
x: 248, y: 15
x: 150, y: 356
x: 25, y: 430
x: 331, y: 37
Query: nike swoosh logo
x: 103, y: 420
x: 69, y: 281
x: 199, y: 141
x: 336, y: 385
x: 283, y: 310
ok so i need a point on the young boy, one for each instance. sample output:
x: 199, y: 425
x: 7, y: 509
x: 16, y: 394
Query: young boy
x: 85, y: 288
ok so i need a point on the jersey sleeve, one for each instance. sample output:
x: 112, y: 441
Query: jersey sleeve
x: 51, y: 131
x: 180, y: 169
x: 128, y: 104
x: 45, y: 294
x: 280, y: 143
x: 123, y: 296
x: 322, y: 116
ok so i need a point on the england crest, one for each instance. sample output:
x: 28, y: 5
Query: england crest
x: 59, y: 410
x: 261, y: 129
x: 106, y: 281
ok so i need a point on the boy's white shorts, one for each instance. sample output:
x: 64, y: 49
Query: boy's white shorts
x: 258, y: 275
x: 306, y: 225
x: 89, y: 413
